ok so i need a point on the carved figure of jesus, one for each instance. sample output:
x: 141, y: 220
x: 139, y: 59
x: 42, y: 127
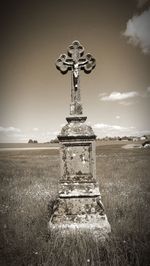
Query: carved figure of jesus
x: 75, y: 61
x: 75, y: 75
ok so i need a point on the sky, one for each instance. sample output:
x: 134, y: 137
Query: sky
x: 35, y: 96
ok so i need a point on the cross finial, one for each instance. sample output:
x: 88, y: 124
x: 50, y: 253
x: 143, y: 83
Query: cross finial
x: 75, y: 61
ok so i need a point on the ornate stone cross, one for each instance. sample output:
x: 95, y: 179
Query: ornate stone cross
x: 75, y: 61
x: 79, y: 203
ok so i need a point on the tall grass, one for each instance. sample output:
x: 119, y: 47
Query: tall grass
x: 28, y: 185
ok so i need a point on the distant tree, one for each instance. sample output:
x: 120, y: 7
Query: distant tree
x: 54, y: 140
x: 129, y: 138
x: 124, y: 138
x: 118, y: 138
x: 30, y: 141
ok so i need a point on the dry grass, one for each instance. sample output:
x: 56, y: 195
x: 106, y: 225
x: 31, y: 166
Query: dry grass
x: 28, y: 184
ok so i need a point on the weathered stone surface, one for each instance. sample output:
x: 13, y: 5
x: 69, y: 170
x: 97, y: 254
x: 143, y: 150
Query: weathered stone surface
x: 77, y: 160
x: 76, y: 127
x: 79, y: 204
x: 81, y: 213
x: 78, y: 189
x: 75, y: 61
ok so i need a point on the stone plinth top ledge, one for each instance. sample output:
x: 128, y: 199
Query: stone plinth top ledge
x: 76, y: 118
x: 76, y: 128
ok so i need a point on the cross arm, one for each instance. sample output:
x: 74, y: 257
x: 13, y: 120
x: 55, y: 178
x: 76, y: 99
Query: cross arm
x: 63, y: 63
x: 89, y: 64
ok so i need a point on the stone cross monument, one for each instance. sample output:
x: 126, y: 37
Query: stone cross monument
x: 74, y: 62
x: 79, y: 204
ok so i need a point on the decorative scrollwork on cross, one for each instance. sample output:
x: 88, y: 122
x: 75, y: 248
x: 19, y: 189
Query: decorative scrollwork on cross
x: 75, y: 61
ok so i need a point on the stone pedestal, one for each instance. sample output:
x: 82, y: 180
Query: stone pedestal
x: 79, y: 204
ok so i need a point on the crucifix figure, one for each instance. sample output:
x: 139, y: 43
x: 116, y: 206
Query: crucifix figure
x: 75, y: 61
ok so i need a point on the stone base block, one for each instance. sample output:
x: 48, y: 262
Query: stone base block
x: 82, y: 214
x: 98, y: 226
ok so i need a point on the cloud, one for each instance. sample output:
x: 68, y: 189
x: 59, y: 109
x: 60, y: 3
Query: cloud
x: 108, y: 127
x: 9, y: 130
x: 55, y: 133
x: 118, y: 96
x: 138, y: 31
x: 62, y: 125
x: 103, y: 130
x: 35, y: 129
x: 126, y: 103
x: 11, y: 134
x: 44, y: 135
x: 145, y: 93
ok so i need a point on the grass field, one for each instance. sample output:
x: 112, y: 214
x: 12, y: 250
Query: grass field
x: 28, y: 184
